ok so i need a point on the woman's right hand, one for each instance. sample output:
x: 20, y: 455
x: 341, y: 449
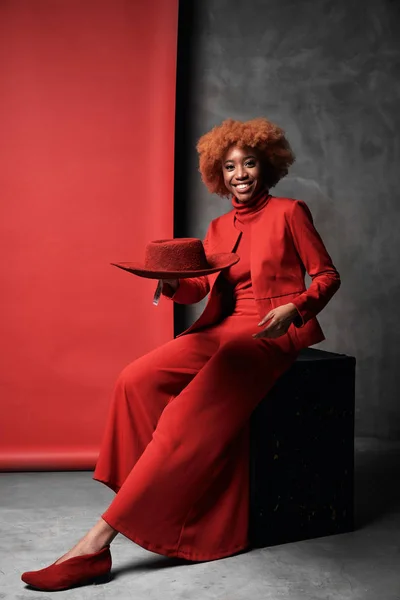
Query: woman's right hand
x: 173, y: 283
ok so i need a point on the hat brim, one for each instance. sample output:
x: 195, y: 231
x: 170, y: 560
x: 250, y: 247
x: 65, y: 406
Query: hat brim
x: 217, y: 262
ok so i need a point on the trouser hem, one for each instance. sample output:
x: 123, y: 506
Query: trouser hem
x: 115, y: 487
x: 190, y: 555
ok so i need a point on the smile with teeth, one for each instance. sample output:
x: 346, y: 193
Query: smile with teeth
x: 242, y: 187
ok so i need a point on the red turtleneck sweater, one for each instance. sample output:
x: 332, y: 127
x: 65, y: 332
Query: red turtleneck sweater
x: 245, y: 215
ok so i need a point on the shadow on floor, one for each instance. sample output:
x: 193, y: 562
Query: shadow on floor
x: 161, y: 562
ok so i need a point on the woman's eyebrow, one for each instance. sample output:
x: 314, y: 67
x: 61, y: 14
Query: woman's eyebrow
x: 244, y: 158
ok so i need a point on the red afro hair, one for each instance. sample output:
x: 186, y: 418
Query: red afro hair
x: 258, y: 133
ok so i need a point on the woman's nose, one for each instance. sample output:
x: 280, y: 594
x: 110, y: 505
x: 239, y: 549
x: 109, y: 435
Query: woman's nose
x: 241, y: 173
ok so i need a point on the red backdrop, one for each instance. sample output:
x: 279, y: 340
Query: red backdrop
x: 87, y: 100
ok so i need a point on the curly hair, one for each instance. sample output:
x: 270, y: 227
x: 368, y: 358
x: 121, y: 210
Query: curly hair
x: 257, y: 133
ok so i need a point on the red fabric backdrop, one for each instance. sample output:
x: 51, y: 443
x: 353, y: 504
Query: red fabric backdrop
x: 87, y: 101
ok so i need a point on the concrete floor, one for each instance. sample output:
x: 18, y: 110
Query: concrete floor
x: 43, y: 514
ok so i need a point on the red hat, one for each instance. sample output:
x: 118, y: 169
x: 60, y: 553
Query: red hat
x: 178, y: 258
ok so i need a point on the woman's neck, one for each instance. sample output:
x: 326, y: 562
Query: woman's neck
x: 244, y: 210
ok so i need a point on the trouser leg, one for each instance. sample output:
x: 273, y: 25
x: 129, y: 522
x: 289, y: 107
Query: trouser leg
x: 190, y: 445
x: 142, y: 391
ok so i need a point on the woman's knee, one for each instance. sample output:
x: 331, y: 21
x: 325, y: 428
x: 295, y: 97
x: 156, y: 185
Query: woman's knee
x: 133, y: 375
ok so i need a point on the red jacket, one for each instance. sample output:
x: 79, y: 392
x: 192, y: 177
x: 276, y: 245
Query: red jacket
x: 285, y: 244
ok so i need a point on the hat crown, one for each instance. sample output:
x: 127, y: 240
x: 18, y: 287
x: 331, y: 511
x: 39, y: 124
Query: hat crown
x: 178, y: 254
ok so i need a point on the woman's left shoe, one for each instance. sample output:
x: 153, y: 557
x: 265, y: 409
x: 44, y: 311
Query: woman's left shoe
x: 78, y: 570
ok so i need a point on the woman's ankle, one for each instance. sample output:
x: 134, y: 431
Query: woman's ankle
x: 101, y: 535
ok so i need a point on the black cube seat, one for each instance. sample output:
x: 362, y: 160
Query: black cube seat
x: 302, y: 452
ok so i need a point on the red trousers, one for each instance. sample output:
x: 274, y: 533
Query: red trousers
x: 176, y: 443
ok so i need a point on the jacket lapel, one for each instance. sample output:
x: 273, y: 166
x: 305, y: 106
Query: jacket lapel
x: 225, y: 244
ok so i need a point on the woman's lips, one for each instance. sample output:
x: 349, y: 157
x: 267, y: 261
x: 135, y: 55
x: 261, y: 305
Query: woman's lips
x: 243, y: 187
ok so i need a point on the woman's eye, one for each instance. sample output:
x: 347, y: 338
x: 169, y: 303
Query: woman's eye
x: 250, y: 164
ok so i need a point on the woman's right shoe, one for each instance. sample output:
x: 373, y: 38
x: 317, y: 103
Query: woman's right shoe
x: 78, y: 570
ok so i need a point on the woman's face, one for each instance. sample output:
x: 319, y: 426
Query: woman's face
x: 243, y: 172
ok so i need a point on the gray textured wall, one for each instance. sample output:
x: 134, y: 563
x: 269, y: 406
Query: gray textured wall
x: 328, y: 73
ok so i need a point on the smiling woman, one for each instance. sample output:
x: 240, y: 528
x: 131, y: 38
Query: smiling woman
x: 179, y: 416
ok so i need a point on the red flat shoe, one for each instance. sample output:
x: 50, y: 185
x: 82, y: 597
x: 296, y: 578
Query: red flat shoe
x: 72, y: 572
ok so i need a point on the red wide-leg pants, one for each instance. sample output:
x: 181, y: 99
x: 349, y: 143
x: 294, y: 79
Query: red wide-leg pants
x: 176, y: 443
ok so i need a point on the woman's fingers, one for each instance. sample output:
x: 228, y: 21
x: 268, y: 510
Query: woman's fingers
x: 266, y: 318
x: 273, y: 330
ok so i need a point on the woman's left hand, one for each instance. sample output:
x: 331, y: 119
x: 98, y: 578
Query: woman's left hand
x: 280, y: 319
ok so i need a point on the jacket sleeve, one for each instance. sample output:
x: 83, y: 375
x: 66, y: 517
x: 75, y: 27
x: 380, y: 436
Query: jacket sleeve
x: 190, y: 290
x: 317, y: 262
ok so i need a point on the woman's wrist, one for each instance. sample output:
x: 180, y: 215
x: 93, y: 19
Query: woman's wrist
x: 295, y: 313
